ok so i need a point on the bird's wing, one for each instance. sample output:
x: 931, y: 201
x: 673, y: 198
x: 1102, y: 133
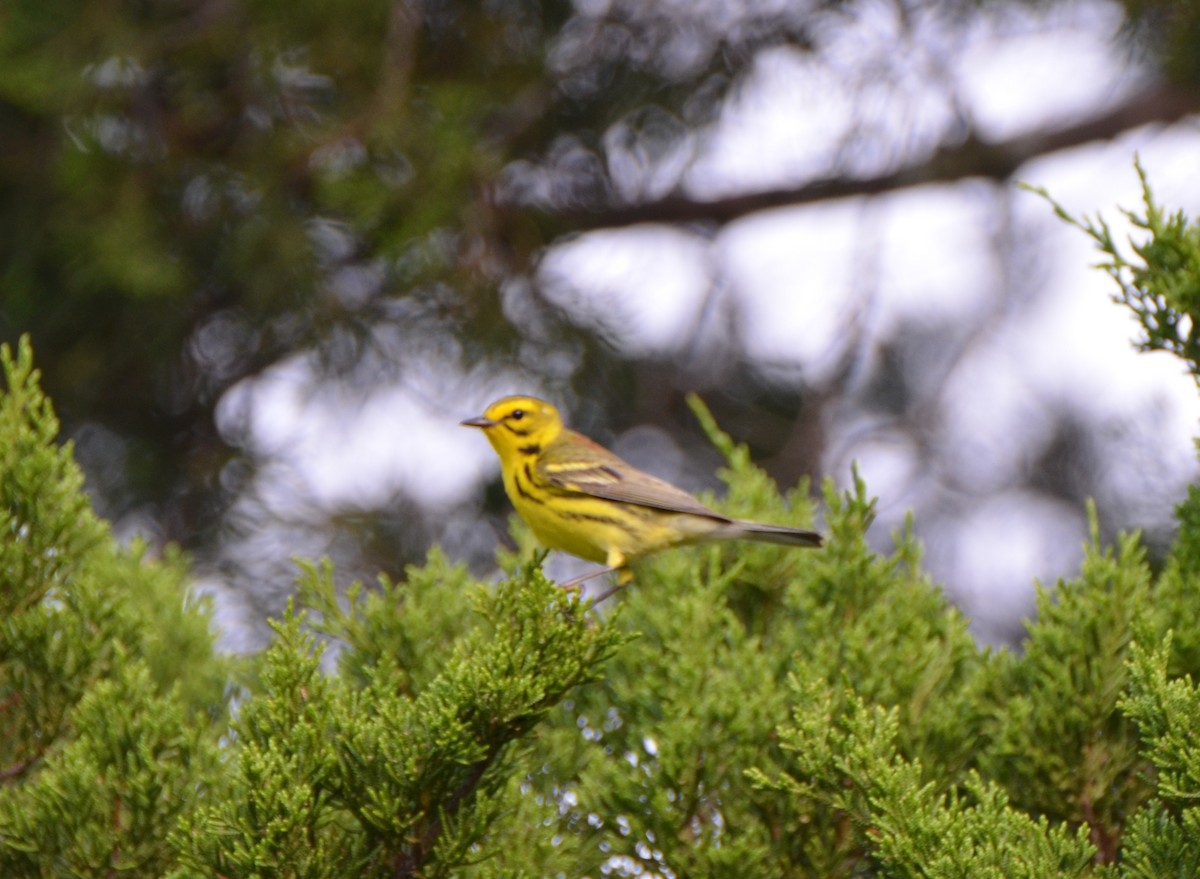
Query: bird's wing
x: 599, y: 473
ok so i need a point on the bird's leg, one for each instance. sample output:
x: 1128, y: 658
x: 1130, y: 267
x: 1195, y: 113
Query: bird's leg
x: 613, y: 590
x: 616, y: 561
x: 575, y: 582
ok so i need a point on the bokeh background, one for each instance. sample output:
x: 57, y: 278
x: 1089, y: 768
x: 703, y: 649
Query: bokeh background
x: 271, y: 253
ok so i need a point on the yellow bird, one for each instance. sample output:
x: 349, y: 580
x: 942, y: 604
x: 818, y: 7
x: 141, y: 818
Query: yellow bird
x: 579, y: 497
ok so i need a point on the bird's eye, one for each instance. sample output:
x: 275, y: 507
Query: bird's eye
x: 517, y: 414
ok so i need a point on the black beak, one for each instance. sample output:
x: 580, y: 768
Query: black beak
x: 479, y: 422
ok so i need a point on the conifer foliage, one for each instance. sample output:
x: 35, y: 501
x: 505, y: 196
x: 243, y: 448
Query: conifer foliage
x: 110, y: 695
x: 741, y: 710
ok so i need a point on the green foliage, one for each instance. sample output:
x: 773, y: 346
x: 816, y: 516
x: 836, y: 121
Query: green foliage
x: 106, y: 802
x: 846, y: 758
x: 1164, y: 839
x: 108, y: 682
x: 1177, y: 592
x: 409, y: 625
x: 382, y: 773
x: 1058, y: 743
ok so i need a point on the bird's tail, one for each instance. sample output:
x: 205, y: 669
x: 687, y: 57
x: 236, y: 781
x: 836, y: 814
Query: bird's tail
x: 742, y: 530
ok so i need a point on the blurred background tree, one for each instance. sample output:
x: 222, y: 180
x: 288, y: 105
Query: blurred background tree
x: 269, y: 253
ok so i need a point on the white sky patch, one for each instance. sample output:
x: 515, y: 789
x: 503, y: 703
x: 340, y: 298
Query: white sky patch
x: 638, y: 286
x: 775, y: 129
x: 933, y: 264
x: 999, y: 546
x: 1044, y: 71
x: 342, y: 448
x: 988, y: 394
x: 887, y: 460
x: 1101, y: 177
x: 790, y: 272
x: 409, y: 444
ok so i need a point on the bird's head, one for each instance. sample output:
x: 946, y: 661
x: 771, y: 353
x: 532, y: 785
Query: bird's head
x: 518, y: 426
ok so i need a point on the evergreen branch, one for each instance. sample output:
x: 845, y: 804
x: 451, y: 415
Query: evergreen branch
x: 114, y: 854
x: 410, y: 863
x: 18, y: 769
x: 1105, y: 839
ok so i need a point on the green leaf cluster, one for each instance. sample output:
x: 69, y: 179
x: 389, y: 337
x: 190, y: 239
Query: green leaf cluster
x: 389, y: 769
x: 1164, y: 839
x: 109, y: 687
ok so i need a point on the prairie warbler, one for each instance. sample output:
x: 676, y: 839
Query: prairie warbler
x: 579, y: 497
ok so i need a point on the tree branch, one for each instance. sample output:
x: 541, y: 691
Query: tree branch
x: 972, y: 158
x: 410, y: 862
